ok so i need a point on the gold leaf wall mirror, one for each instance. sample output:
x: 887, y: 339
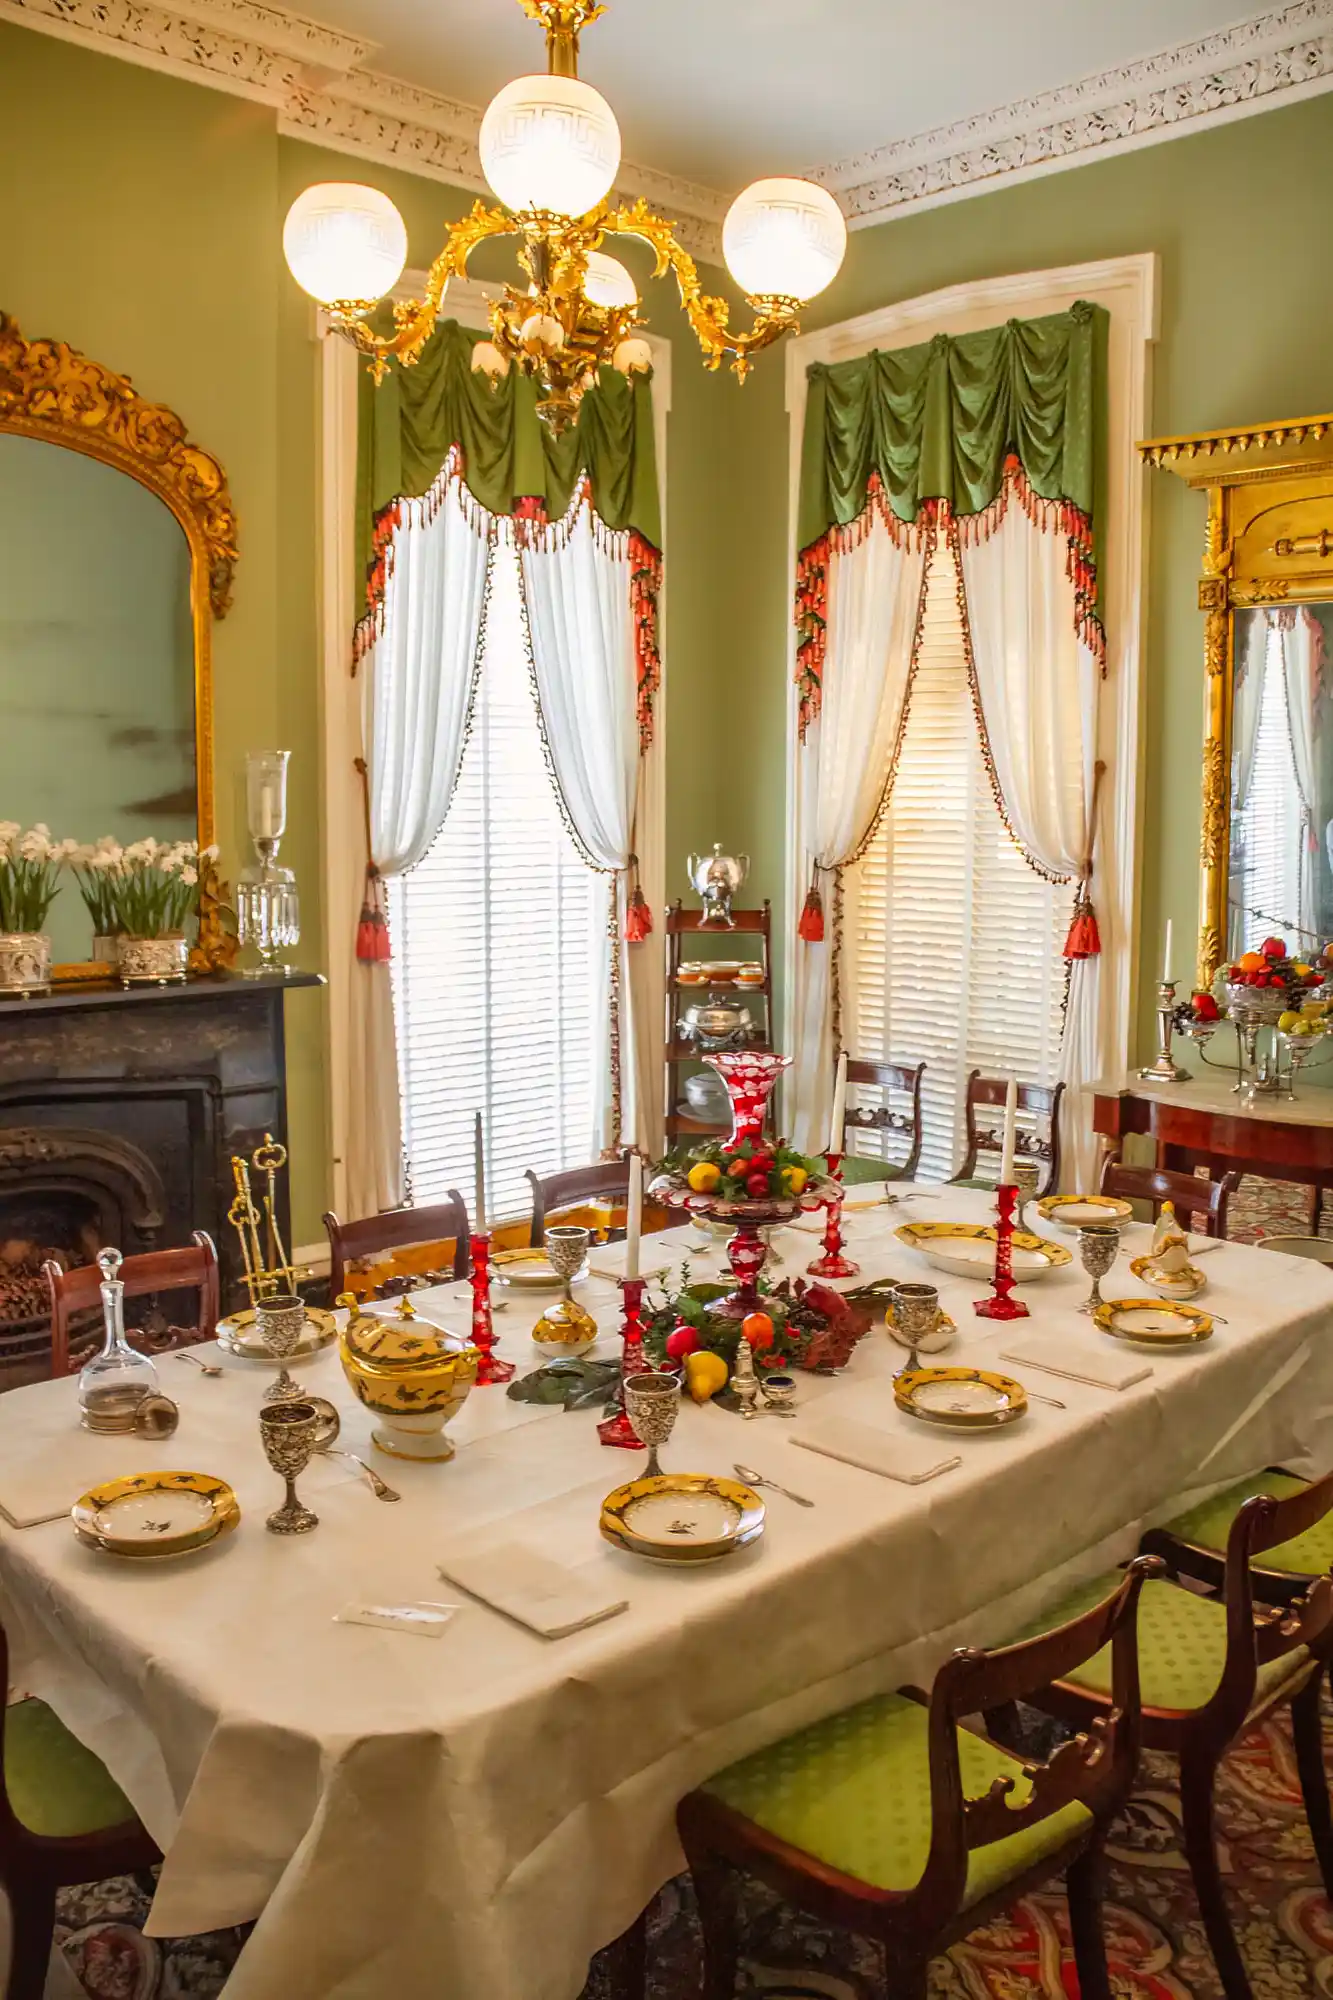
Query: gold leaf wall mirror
x: 1266, y: 592
x: 117, y: 552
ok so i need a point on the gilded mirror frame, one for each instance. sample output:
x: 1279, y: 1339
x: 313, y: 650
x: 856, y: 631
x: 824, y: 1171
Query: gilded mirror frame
x: 1268, y: 540
x: 50, y: 391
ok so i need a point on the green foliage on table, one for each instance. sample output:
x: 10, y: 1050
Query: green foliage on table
x: 813, y: 1326
x: 574, y: 1382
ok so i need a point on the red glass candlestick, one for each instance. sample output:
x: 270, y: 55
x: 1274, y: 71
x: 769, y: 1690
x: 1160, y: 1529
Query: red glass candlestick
x: 491, y: 1368
x: 833, y: 1264
x: 617, y: 1429
x: 1002, y: 1304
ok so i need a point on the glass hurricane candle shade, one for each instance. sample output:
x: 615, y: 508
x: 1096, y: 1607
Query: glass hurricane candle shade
x: 268, y: 909
x: 266, y: 794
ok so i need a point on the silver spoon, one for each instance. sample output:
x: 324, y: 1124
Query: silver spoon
x: 753, y: 1478
x: 1050, y: 1401
x: 379, y: 1487
x: 208, y: 1367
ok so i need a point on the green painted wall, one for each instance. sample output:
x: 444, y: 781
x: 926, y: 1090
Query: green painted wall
x: 1238, y: 220
x: 151, y: 240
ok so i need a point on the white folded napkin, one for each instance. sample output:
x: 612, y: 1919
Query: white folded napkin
x: 44, y: 1484
x: 893, y: 1456
x: 1057, y: 1354
x: 546, y: 1597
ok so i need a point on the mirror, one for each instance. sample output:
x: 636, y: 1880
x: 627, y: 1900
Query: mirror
x: 117, y: 550
x: 1280, y: 874
x: 97, y: 700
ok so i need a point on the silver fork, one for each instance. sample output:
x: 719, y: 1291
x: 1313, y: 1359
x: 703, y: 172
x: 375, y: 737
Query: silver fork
x: 379, y: 1487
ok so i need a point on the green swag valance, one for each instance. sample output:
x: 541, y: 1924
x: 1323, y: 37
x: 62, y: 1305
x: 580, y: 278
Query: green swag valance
x: 965, y: 422
x: 408, y: 425
x: 940, y: 421
x: 512, y: 464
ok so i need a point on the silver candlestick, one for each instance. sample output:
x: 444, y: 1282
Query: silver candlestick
x: 1164, y: 1069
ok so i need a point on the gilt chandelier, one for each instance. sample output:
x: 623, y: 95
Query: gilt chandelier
x: 550, y: 150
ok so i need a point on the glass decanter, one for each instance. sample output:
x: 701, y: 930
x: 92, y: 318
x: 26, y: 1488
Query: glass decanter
x: 116, y: 1380
x: 268, y: 910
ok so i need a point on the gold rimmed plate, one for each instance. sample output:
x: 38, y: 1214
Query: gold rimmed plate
x: 1076, y: 1211
x: 239, y: 1334
x: 146, y: 1515
x: 531, y: 1269
x: 967, y: 1249
x: 1183, y: 1284
x: 682, y: 1517
x: 965, y: 1399
x: 1153, y: 1322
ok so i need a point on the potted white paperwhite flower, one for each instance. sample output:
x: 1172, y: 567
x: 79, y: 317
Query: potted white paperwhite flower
x: 95, y: 867
x: 147, y: 893
x: 30, y: 866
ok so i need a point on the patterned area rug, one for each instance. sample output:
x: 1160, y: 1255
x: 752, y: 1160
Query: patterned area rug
x: 1156, y: 1941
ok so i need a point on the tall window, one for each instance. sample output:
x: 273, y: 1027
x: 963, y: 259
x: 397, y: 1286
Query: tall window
x: 498, y: 954
x: 952, y: 941
x: 1271, y: 863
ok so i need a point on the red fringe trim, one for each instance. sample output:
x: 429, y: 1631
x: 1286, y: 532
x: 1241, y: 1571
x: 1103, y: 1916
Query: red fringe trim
x: 372, y: 930
x: 1053, y: 517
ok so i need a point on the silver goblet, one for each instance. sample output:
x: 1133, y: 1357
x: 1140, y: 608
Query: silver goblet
x: 1098, y: 1246
x: 916, y: 1308
x: 566, y: 1245
x: 1027, y: 1179
x: 281, y: 1321
x: 651, y: 1404
x: 290, y: 1432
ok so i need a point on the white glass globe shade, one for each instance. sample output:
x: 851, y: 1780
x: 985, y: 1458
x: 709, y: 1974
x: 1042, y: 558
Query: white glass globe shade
x: 784, y: 239
x: 550, y: 142
x: 633, y: 356
x: 344, y: 241
x: 607, y: 283
x: 489, y: 361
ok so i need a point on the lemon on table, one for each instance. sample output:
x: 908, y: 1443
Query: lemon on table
x: 703, y: 1176
x: 795, y: 1178
x: 705, y: 1374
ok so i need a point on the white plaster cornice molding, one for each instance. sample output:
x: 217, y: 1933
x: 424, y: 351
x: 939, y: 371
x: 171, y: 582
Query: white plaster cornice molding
x: 1283, y: 54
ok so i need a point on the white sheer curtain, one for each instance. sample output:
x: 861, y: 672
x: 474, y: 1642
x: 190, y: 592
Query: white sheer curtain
x: 576, y: 586
x: 874, y: 609
x: 417, y: 687
x: 1252, y: 630
x: 1302, y: 648
x: 1038, y: 685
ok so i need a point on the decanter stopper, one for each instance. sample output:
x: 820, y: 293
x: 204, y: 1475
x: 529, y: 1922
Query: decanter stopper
x: 116, y: 1380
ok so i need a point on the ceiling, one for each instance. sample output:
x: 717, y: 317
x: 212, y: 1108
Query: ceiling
x: 720, y: 91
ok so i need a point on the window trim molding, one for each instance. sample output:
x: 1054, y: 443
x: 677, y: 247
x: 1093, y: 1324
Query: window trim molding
x: 341, y: 837
x: 1129, y: 287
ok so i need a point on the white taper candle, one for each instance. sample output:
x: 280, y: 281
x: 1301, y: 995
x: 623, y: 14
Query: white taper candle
x: 1007, y: 1149
x: 839, y: 1117
x: 479, y: 1176
x: 634, y: 1216
x: 1166, y: 956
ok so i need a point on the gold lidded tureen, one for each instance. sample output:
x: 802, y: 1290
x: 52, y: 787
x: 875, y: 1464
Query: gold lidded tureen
x: 410, y: 1372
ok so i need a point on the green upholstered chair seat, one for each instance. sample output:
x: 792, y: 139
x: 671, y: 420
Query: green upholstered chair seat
x: 57, y: 1787
x: 854, y: 1792
x: 987, y: 1187
x: 1182, y: 1642
x: 1208, y: 1526
x: 858, y: 1168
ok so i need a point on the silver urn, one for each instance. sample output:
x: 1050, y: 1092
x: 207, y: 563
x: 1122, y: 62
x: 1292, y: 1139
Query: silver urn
x: 715, y: 879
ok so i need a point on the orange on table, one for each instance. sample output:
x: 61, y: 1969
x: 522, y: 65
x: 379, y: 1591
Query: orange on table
x: 758, y: 1329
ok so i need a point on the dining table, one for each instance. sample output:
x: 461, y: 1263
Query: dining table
x: 476, y: 1813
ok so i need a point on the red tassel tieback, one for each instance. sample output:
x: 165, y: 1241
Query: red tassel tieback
x: 372, y: 930
x: 811, y: 926
x: 638, y: 913
x: 1084, y: 940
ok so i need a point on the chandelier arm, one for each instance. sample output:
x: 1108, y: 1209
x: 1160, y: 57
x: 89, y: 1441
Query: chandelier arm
x: 708, y: 316
x: 414, y: 319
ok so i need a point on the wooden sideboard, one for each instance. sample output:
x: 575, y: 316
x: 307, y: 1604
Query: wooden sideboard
x: 1202, y: 1123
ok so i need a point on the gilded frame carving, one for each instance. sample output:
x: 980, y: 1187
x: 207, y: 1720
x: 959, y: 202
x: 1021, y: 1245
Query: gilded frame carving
x: 49, y: 390
x: 1268, y: 539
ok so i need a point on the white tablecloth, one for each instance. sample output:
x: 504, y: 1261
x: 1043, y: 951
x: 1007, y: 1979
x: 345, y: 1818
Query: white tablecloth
x: 475, y: 1815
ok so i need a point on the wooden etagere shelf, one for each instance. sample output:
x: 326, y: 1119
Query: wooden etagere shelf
x: 749, y: 927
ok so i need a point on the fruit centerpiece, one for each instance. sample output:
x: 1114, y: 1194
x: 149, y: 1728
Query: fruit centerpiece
x: 745, y: 1179
x: 1267, y: 988
x: 793, y: 1325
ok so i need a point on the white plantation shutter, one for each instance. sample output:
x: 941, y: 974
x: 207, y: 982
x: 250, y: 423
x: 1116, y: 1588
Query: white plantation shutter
x: 952, y: 941
x: 498, y: 956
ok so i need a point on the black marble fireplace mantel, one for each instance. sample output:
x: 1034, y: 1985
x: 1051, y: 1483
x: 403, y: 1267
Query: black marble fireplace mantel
x: 120, y: 1110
